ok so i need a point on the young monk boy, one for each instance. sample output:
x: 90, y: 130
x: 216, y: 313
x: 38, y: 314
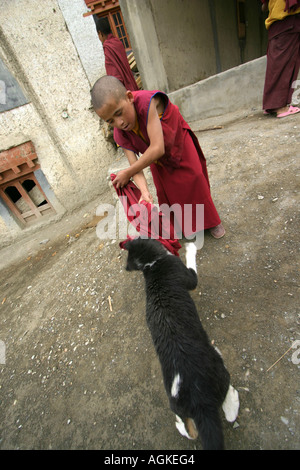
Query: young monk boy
x: 147, y: 123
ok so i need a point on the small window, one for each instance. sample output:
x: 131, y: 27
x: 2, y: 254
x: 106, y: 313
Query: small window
x: 20, y: 190
x: 120, y: 28
x: 26, y: 199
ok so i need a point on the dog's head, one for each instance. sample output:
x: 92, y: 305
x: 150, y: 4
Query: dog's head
x: 142, y: 252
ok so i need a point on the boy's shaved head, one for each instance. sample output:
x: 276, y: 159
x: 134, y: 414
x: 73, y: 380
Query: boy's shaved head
x: 105, y: 88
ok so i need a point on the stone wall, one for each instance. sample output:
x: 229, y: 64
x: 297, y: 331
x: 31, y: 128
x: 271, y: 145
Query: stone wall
x: 178, y: 42
x: 40, y: 53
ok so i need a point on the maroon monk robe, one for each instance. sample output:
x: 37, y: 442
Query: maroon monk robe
x: 291, y: 5
x: 116, y: 62
x: 145, y: 218
x: 283, y: 62
x: 180, y: 176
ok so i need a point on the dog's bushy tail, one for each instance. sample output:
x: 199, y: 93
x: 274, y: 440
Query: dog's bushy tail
x: 209, y: 426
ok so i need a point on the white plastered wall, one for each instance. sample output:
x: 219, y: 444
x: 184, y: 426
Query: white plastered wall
x: 55, y: 55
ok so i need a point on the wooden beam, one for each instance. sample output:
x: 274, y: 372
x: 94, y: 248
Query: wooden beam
x: 12, y: 206
x: 27, y: 198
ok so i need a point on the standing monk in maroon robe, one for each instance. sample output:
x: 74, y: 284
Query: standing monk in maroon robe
x: 283, y: 55
x: 147, y: 122
x: 116, y: 62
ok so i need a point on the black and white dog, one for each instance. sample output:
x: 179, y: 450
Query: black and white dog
x: 196, y: 380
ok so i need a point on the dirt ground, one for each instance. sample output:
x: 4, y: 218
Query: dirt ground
x: 80, y: 369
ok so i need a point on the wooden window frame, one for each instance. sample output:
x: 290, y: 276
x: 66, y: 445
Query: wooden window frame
x: 33, y: 209
x: 109, y: 14
x: 18, y: 164
x: 107, y: 8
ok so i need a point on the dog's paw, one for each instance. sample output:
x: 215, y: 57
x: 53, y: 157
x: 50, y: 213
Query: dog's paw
x: 190, y: 255
x: 231, y: 404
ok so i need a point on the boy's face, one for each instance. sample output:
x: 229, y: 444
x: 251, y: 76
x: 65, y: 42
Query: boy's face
x: 120, y: 114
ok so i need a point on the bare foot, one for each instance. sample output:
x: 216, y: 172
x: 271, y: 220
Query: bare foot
x: 218, y: 231
x: 284, y: 109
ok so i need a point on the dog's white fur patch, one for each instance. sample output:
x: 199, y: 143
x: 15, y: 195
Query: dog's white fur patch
x: 181, y: 427
x: 149, y: 265
x: 190, y: 255
x: 175, y: 386
x: 231, y: 404
x: 218, y: 350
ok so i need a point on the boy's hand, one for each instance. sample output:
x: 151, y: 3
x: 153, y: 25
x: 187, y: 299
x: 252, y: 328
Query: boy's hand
x: 146, y: 196
x: 121, y: 179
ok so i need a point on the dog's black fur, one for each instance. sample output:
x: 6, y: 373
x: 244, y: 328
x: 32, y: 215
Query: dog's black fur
x: 181, y: 343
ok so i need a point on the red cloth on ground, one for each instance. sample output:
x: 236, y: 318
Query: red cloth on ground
x: 180, y: 176
x: 116, y: 62
x: 283, y: 62
x: 146, y: 219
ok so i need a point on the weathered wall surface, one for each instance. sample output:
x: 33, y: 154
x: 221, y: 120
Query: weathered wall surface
x: 185, y: 36
x: 87, y: 43
x: 199, y: 38
x: 37, y: 48
x: 239, y: 88
x: 139, y: 20
x: 178, y: 42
